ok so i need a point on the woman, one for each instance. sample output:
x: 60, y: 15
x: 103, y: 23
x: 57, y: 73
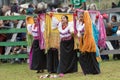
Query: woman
x: 52, y: 60
x: 113, y: 30
x: 87, y: 58
x: 52, y: 45
x: 68, y: 58
x: 30, y: 9
x: 37, y: 57
x: 79, y: 32
x: 80, y: 25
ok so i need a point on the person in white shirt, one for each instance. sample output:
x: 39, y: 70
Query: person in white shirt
x: 37, y: 57
x: 68, y: 58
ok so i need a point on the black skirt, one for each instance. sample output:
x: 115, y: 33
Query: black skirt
x: 38, y: 57
x: 52, y: 60
x: 68, y: 57
x: 115, y: 44
x: 89, y: 63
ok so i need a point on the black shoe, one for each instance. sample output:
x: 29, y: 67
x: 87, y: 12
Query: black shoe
x: 38, y: 71
x: 41, y: 71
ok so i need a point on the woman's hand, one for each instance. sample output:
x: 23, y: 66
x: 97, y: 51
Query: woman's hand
x: 71, y: 30
x: 79, y: 34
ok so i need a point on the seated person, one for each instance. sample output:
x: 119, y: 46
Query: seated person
x: 19, y: 50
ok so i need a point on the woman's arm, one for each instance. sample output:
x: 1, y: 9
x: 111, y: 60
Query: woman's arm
x: 54, y: 23
x: 71, y: 27
x: 29, y: 28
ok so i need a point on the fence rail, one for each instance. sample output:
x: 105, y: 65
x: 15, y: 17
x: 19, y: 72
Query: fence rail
x: 13, y: 30
x: 112, y: 10
x: 13, y: 41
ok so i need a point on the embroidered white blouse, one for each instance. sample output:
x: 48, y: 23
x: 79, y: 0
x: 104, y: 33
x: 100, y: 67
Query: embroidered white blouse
x: 80, y: 28
x: 63, y: 32
x: 34, y: 31
x: 67, y: 31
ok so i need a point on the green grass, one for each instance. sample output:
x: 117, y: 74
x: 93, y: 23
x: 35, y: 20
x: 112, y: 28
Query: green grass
x: 104, y: 4
x: 110, y: 70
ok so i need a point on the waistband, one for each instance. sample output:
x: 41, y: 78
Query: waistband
x: 66, y: 38
x: 36, y: 37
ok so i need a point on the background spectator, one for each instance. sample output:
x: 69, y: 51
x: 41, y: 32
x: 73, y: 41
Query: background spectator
x: 115, y: 43
x: 114, y: 5
x: 30, y: 9
x: 14, y: 8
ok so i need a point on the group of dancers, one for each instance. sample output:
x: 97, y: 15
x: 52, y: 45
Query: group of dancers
x: 58, y: 39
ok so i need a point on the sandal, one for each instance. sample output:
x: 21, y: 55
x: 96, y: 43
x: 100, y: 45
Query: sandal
x: 45, y: 76
x: 61, y: 75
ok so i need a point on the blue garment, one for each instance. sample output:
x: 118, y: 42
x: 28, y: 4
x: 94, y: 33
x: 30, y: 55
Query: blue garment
x: 96, y: 37
x: 114, y: 42
x: 95, y: 33
x: 114, y: 30
x: 30, y: 11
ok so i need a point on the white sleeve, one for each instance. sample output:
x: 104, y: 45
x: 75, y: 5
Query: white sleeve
x: 54, y: 22
x: 82, y: 27
x: 29, y: 28
x: 93, y: 17
x: 71, y: 27
x: 59, y: 26
x: 79, y: 34
x: 79, y: 26
x: 118, y: 32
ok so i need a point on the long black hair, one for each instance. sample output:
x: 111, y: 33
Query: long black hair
x: 115, y: 17
x: 66, y: 17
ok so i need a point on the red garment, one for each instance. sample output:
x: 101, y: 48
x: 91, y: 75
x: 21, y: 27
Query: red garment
x: 63, y: 27
x: 1, y: 50
x: 2, y: 38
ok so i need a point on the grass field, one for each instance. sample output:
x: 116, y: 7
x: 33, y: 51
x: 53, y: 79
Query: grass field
x: 103, y: 4
x: 110, y: 70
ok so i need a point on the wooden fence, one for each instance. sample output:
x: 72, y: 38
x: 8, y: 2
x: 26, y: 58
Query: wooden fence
x: 111, y: 50
x: 13, y: 41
